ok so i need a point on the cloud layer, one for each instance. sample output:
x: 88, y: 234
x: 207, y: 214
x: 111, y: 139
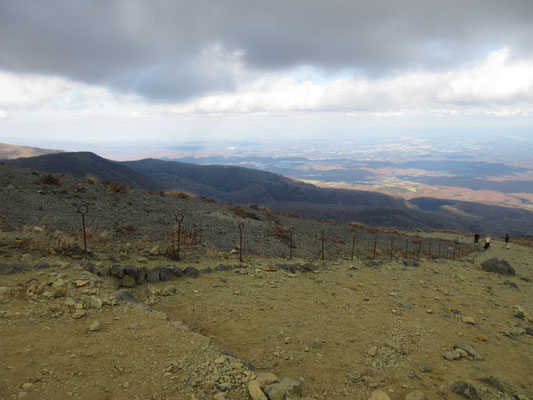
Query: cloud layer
x: 174, y: 51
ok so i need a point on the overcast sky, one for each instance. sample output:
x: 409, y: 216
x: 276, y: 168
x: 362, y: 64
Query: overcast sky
x: 174, y: 70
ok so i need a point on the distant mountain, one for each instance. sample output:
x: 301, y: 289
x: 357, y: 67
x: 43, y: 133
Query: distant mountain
x: 10, y: 151
x: 247, y: 185
x: 241, y: 185
x: 83, y: 164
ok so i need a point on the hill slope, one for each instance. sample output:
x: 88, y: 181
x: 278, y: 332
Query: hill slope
x: 11, y: 151
x: 81, y: 164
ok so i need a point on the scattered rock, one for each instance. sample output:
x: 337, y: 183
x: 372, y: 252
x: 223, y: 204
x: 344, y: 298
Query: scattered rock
x: 165, y: 273
x: 191, y: 272
x: 221, y: 268
x: 286, y: 388
x: 125, y: 295
x: 127, y: 281
x: 416, y: 395
x: 152, y: 275
x: 255, y: 391
x: 465, y: 390
x: 131, y: 270
x: 452, y: 355
x: 42, y: 265
x: 498, y: 266
x: 60, y: 292
x: 469, y: 349
x: 407, y: 306
x: 79, y: 314
x: 266, y: 378
x: 141, y: 275
x: 379, y: 395
x: 469, y: 320
x: 177, y: 271
x: 117, y: 271
x: 510, y: 284
x: 423, y: 367
x: 95, y: 326
x: 482, y: 337
x: 522, y: 314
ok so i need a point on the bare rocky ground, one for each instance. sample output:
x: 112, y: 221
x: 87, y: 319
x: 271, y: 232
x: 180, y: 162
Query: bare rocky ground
x: 285, y: 329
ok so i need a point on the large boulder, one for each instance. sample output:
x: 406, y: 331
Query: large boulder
x: 498, y: 266
x: 165, y: 273
x: 152, y: 275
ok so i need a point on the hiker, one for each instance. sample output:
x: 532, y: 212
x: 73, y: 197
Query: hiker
x: 487, y: 242
x: 506, y: 239
x: 476, y: 238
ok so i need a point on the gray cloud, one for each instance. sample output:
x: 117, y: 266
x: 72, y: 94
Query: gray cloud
x: 173, y: 50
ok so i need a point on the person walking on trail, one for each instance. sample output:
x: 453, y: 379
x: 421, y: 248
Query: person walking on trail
x: 506, y: 239
x: 476, y: 237
x: 487, y: 242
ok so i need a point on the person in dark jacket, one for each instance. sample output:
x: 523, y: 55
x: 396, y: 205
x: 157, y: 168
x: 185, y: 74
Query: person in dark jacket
x: 506, y: 239
x: 476, y: 237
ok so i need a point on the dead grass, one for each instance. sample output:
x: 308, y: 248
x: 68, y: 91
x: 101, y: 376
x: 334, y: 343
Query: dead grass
x: 48, y: 180
x: 115, y: 187
x: 240, y: 211
x: 180, y: 194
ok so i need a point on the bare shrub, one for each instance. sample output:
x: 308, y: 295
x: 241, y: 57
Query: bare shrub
x: 181, y: 194
x: 125, y: 229
x: 208, y: 199
x: 240, y: 211
x: 48, y: 180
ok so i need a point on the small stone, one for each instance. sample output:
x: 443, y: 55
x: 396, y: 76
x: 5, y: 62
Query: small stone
x: 125, y: 295
x: 372, y: 351
x: 80, y: 283
x: 191, y: 272
x: 469, y: 349
x: 522, y: 314
x: 79, y: 314
x: 379, y: 395
x: 220, y: 396
x: 60, y: 292
x: 452, y: 355
x: 42, y: 265
x: 423, y: 367
x: 286, y: 388
x: 469, y: 320
x: 416, y: 395
x: 95, y: 302
x: 95, y: 326
x: 266, y: 378
x: 255, y: 391
x: 127, y: 281
x: 482, y: 337
x: 465, y: 390
x: 3, y: 290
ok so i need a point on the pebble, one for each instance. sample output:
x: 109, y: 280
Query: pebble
x: 95, y: 326
x: 379, y: 395
x: 266, y: 378
x: 452, y: 355
x: 255, y: 391
x: 482, y: 337
x: 79, y: 314
x: 469, y: 320
x: 416, y: 395
x: 60, y: 292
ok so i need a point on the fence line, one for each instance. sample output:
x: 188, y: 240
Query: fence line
x: 368, y: 247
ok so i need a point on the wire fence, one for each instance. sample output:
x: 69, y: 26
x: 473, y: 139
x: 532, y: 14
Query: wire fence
x: 181, y: 236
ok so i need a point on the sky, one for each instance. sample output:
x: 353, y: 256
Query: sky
x: 171, y: 71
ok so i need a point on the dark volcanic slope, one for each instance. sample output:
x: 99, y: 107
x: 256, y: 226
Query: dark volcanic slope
x: 82, y: 164
x: 246, y: 185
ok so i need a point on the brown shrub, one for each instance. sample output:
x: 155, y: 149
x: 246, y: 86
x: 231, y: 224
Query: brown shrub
x: 48, y: 180
x: 90, y: 179
x: 181, y: 194
x: 240, y: 211
x: 115, y: 187
x: 290, y: 215
x: 270, y: 215
x: 208, y: 199
x: 356, y: 225
x: 125, y: 229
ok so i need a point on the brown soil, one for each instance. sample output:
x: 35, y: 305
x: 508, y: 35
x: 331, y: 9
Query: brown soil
x: 341, y: 331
